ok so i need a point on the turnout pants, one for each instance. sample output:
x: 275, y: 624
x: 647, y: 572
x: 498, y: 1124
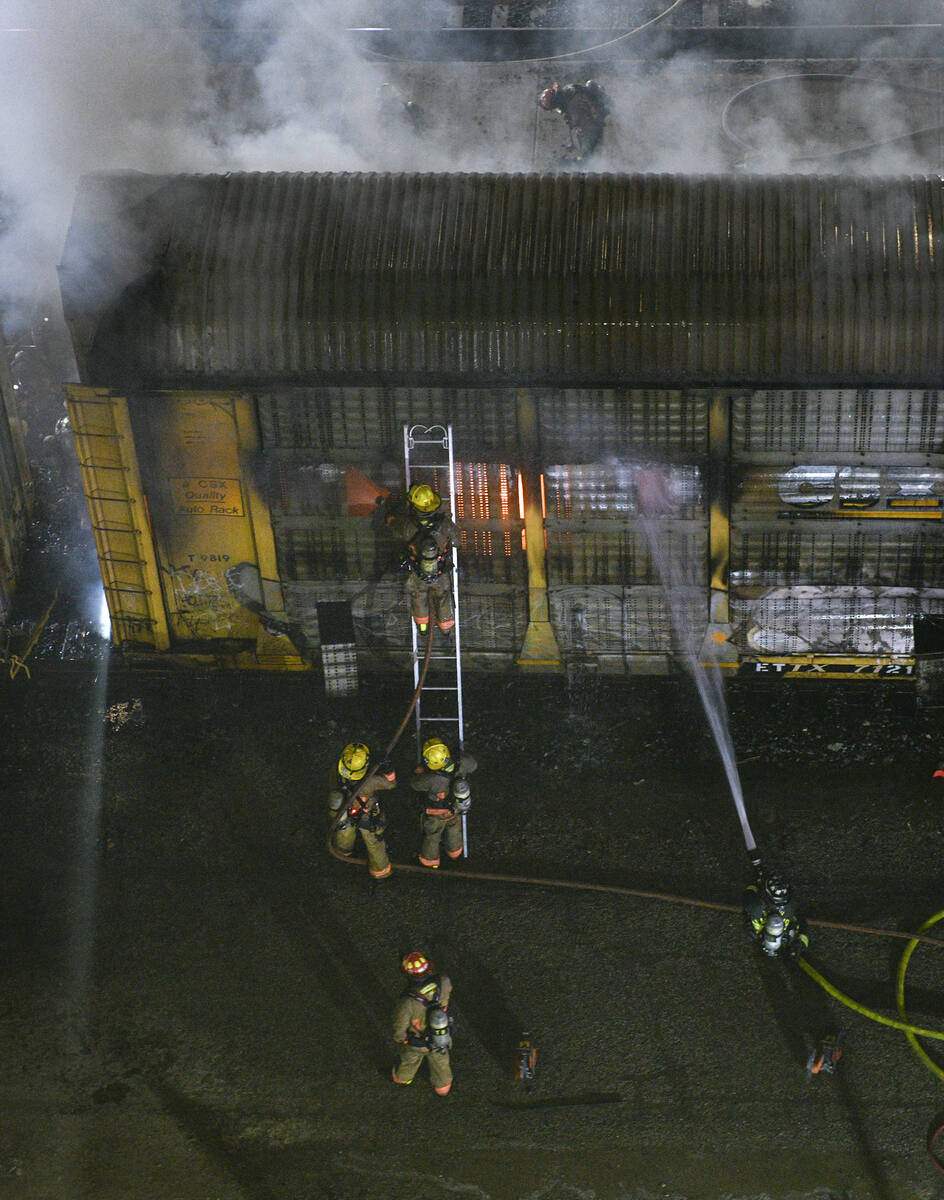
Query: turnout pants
x: 431, y: 599
x: 378, y: 862
x: 440, y: 1069
x: 440, y: 827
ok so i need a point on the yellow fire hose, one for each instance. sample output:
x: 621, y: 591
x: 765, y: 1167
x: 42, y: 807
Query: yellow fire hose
x: 900, y: 997
x: 910, y: 1030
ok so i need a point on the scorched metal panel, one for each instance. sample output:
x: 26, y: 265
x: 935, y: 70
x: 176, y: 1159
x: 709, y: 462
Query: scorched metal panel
x: 602, y: 280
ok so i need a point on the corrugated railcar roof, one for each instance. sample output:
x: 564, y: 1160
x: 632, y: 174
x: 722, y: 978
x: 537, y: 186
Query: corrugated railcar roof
x: 566, y: 279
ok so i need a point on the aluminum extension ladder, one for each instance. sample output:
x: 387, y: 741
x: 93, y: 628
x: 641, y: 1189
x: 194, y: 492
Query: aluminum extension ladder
x: 428, y: 458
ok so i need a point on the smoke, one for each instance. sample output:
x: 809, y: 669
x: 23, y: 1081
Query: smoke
x: 90, y: 87
x: 175, y: 86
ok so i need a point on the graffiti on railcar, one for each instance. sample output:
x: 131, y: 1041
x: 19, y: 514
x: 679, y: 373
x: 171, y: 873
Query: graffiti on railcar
x: 202, y: 603
x: 872, y: 622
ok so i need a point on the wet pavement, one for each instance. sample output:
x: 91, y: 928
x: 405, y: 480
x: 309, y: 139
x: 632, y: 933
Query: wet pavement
x: 196, y: 995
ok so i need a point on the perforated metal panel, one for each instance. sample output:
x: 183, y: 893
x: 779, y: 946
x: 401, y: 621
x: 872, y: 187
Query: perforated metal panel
x: 830, y: 552
x: 318, y: 544
x: 853, y: 621
x: 494, y: 619
x: 593, y: 555
x: 588, y: 620
x: 836, y: 533
x: 577, y: 426
x: 846, y: 422
x: 622, y: 622
x: 364, y: 419
x: 621, y: 489
x: 329, y: 550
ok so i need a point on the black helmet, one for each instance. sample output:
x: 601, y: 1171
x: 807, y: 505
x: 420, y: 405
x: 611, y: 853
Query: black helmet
x: 777, y: 890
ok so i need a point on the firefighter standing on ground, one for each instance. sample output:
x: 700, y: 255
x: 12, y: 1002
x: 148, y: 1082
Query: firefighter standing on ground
x: 355, y: 807
x: 805, y: 1019
x: 421, y: 1024
x: 771, y: 913
x: 429, y: 534
x: 448, y: 797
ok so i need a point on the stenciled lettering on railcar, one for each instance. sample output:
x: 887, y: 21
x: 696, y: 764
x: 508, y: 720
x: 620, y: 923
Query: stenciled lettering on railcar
x: 206, y: 496
x: 827, y: 670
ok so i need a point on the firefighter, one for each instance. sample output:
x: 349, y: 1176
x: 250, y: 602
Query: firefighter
x: 802, y: 1013
x: 583, y: 107
x: 429, y: 584
x: 355, y: 806
x: 421, y: 511
x: 443, y: 779
x: 771, y: 913
x: 421, y: 1025
x: 430, y: 534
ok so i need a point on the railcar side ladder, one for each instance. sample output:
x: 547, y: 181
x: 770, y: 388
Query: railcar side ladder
x: 428, y: 458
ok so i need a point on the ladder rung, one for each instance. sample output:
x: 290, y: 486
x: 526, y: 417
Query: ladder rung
x: 442, y: 688
x: 455, y: 720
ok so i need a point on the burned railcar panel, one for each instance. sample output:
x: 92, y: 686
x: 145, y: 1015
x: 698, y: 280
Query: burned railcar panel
x: 332, y: 456
x: 368, y: 422
x: 611, y: 460
x: 836, y: 504
x: 845, y: 421
x: 726, y: 387
x: 567, y: 280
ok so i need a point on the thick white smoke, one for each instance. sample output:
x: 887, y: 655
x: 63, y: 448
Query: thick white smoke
x: 215, y: 85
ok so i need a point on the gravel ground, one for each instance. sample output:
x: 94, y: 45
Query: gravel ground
x: 196, y: 996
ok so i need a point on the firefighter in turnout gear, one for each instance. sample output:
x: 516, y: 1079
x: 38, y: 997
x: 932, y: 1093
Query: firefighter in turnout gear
x: 421, y: 1024
x: 429, y: 533
x: 583, y: 107
x: 421, y: 511
x: 429, y: 584
x: 802, y: 1014
x: 772, y: 916
x: 444, y: 781
x: 355, y: 806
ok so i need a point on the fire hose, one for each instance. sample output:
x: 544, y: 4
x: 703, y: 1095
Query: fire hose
x: 912, y: 1032
x: 391, y: 744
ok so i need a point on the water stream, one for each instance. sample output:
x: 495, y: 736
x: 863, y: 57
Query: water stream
x: 681, y: 594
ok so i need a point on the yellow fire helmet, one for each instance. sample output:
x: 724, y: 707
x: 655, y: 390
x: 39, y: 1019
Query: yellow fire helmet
x: 423, y: 498
x: 353, y: 761
x: 436, y: 754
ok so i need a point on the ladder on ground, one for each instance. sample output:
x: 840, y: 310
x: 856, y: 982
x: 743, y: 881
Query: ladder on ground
x: 428, y: 458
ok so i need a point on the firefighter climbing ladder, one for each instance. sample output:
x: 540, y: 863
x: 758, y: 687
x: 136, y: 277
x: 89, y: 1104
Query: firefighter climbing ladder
x: 428, y: 458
